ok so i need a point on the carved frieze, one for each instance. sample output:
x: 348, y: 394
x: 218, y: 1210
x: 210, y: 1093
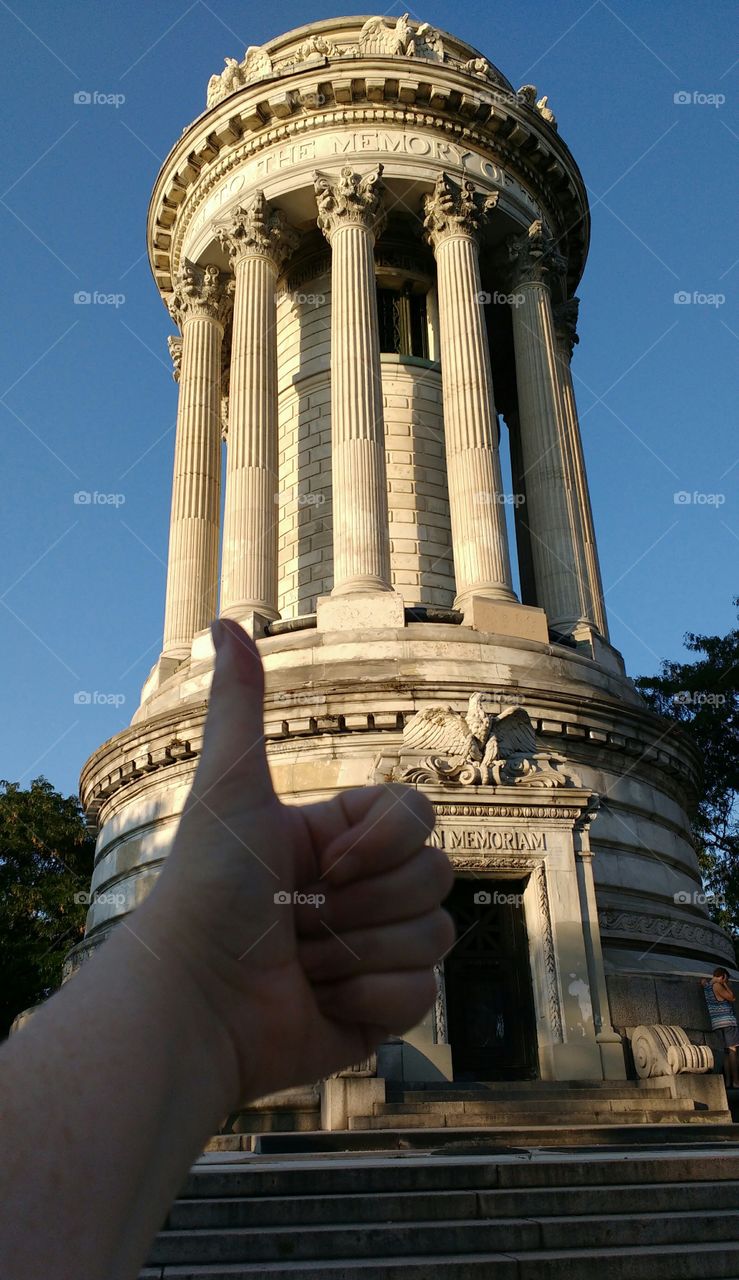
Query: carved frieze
x: 480, y: 748
x: 663, y: 927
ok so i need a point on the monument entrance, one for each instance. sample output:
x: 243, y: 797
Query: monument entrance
x: 490, y: 1005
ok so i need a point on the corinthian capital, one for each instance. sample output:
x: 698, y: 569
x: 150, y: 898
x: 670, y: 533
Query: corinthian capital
x: 199, y: 291
x: 534, y: 256
x: 351, y: 200
x: 565, y: 324
x: 455, y: 209
x: 258, y: 230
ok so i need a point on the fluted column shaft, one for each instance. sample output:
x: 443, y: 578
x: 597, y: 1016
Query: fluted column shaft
x: 192, y: 567
x: 258, y: 241
x: 479, y: 537
x: 350, y: 217
x: 565, y: 318
x: 550, y: 502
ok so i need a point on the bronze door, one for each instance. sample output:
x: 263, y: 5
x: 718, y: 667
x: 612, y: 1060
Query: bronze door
x: 490, y: 1004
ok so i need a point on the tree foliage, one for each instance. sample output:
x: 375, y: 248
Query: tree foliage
x: 703, y: 696
x: 46, y: 856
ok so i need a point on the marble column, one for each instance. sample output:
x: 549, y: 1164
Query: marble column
x: 350, y: 216
x: 565, y: 328
x: 258, y: 241
x: 550, y: 502
x: 199, y: 306
x: 453, y: 216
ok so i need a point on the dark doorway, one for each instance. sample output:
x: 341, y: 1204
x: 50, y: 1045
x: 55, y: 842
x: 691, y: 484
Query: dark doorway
x: 490, y: 1004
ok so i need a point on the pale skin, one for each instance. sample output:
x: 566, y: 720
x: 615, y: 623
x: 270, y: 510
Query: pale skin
x: 212, y: 994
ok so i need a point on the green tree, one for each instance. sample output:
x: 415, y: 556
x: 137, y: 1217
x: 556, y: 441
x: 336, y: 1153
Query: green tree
x: 703, y: 695
x: 46, y: 856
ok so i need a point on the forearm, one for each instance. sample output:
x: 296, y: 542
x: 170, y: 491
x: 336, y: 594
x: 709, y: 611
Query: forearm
x: 93, y: 1068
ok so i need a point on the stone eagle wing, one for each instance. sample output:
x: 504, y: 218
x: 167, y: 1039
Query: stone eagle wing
x: 513, y: 733
x: 439, y: 731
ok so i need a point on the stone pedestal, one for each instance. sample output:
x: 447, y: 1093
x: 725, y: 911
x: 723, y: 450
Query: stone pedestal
x: 360, y: 611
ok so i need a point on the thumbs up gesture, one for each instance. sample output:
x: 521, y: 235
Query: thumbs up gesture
x: 310, y: 931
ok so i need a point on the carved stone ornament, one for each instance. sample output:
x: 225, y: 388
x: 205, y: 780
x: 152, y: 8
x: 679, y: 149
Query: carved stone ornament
x: 404, y: 39
x: 258, y: 230
x: 352, y: 199
x: 314, y: 49
x: 256, y: 65
x: 534, y: 255
x: 199, y: 291
x: 174, y: 346
x: 527, y: 95
x: 565, y: 323
x: 666, y: 1051
x: 481, y: 748
x: 455, y: 208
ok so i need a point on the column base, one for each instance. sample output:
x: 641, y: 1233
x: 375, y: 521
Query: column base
x: 590, y: 642
x: 161, y: 671
x: 252, y: 620
x: 499, y: 617
x: 612, y: 1058
x: 362, y: 611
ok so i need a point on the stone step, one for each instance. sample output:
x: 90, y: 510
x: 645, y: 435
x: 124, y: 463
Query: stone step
x: 516, y: 1092
x: 364, y: 1240
x: 703, y: 1127
x: 393, y: 1206
x: 505, y: 1119
x: 368, y: 1175
x: 646, y: 1262
x: 575, y: 1107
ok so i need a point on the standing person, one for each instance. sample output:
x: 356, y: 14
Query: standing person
x: 720, y: 1000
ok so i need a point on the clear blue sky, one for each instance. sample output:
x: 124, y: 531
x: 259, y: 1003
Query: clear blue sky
x: 86, y: 397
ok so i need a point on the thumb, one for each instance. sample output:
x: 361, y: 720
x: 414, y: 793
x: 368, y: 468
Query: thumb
x: 233, y: 747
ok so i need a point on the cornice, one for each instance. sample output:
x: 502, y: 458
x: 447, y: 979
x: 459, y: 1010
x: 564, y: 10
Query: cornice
x: 390, y: 91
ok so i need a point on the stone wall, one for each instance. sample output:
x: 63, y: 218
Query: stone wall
x: 646, y: 999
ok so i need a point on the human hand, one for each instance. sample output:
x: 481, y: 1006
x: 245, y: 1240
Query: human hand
x: 298, y: 990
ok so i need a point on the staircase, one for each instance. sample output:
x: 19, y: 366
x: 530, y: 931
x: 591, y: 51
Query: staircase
x: 534, y: 1215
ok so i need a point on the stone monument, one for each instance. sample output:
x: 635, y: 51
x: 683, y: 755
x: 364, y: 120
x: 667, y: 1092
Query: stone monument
x: 369, y: 243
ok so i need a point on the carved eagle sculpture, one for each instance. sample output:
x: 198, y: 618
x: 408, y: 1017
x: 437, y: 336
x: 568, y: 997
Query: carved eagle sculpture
x: 480, y: 747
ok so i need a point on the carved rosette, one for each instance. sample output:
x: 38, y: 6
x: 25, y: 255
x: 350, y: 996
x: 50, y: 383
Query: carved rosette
x: 455, y: 209
x: 534, y: 256
x: 565, y: 324
x: 199, y: 291
x: 258, y: 230
x: 352, y: 200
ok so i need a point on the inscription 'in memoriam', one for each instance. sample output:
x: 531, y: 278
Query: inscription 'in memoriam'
x: 477, y: 838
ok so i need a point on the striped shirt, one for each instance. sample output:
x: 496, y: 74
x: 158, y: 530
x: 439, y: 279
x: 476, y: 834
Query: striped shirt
x: 721, y: 1012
